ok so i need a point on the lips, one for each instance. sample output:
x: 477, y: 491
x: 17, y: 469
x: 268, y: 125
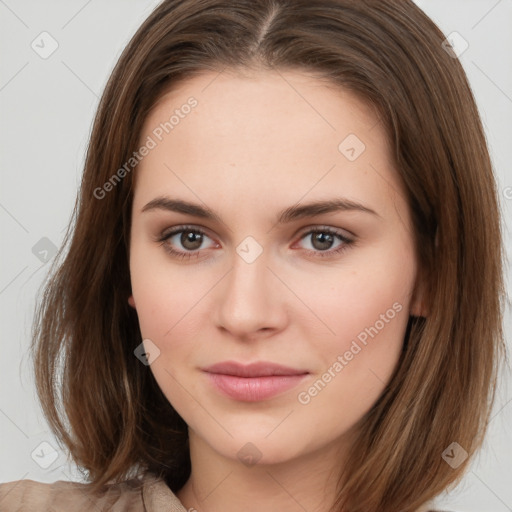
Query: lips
x: 260, y: 369
x: 253, y: 382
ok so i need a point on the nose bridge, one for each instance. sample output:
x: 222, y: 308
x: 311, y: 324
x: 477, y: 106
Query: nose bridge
x: 248, y: 299
x: 248, y: 279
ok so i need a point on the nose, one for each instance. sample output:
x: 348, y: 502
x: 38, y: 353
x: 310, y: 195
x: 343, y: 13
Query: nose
x: 250, y: 301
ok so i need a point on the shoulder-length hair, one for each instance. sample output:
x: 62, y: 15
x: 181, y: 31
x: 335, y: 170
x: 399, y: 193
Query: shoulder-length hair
x: 106, y: 407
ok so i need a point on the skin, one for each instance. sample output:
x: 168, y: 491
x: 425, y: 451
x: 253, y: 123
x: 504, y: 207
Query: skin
x: 253, y: 146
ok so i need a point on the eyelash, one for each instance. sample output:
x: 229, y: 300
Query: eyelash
x: 164, y: 237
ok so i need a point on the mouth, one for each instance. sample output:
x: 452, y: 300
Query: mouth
x: 254, y: 382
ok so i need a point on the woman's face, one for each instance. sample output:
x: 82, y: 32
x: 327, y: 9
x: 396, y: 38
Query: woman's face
x: 232, y: 264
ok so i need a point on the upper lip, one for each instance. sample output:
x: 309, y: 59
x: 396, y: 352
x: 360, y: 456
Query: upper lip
x: 258, y: 369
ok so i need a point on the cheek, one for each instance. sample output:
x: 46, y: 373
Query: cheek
x: 171, y: 303
x: 366, y: 310
x: 355, y: 365
x: 163, y: 293
x: 165, y: 308
x: 370, y: 288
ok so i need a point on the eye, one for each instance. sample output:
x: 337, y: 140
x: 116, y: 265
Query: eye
x: 190, y: 239
x: 322, y: 240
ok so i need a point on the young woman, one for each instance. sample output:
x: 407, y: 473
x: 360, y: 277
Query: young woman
x: 283, y: 286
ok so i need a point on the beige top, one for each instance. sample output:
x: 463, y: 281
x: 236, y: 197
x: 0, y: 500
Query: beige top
x: 130, y: 496
x: 148, y: 494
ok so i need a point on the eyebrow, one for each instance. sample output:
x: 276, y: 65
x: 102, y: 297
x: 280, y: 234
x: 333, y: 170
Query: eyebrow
x: 287, y: 215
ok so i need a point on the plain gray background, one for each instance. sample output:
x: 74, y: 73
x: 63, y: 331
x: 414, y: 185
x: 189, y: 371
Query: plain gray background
x: 47, y: 106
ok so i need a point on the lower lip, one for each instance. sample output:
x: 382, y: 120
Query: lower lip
x: 254, y: 389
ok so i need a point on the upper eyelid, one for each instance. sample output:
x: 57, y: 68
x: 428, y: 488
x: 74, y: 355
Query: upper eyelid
x: 167, y: 233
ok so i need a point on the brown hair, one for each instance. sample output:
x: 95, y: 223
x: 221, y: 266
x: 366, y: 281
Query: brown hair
x: 107, y: 408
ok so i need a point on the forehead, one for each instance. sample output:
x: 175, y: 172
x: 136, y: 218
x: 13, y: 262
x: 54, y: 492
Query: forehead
x: 279, y: 133
x: 250, y: 102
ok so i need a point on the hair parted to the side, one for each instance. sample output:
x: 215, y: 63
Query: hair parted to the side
x: 106, y: 407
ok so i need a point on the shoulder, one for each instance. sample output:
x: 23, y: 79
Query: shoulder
x: 31, y: 496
